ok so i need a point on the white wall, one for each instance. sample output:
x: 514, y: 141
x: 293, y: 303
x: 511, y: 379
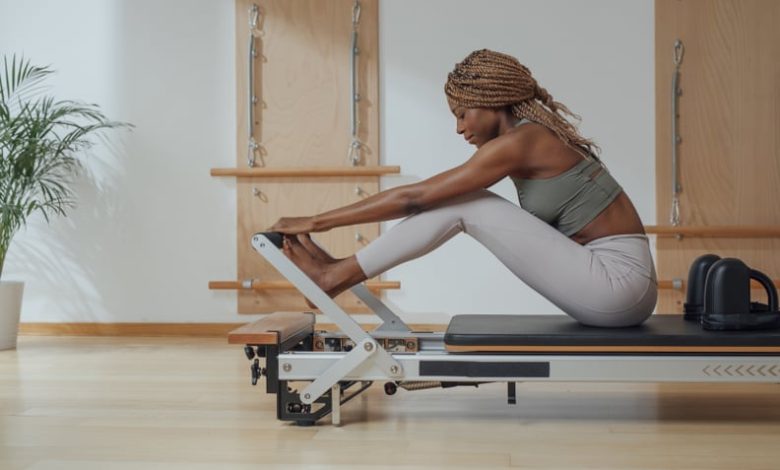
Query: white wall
x: 596, y: 57
x: 144, y: 244
x: 146, y: 239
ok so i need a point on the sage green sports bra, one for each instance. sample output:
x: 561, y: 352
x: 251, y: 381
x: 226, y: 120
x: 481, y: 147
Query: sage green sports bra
x: 572, y: 199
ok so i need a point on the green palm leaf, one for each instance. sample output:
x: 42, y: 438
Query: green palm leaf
x: 40, y: 140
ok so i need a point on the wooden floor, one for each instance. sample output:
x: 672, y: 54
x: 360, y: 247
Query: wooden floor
x: 104, y: 403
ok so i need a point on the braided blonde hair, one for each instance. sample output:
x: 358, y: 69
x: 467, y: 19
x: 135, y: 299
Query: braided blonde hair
x: 489, y: 79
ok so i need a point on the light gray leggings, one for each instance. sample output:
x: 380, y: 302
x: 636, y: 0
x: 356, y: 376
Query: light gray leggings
x: 609, y: 282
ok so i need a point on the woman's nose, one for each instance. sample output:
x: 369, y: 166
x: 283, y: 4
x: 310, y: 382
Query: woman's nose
x: 459, y: 128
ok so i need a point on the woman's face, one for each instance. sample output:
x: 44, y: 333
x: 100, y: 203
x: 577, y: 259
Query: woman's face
x: 476, y: 125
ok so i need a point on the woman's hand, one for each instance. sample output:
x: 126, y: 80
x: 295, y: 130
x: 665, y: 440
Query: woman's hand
x: 293, y: 225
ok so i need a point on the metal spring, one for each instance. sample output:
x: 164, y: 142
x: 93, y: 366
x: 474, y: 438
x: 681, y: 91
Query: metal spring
x: 409, y: 385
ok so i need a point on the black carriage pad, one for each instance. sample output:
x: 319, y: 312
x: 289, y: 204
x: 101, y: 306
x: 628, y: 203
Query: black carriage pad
x: 561, y: 333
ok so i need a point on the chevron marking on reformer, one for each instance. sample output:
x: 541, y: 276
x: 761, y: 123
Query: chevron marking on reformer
x: 742, y: 370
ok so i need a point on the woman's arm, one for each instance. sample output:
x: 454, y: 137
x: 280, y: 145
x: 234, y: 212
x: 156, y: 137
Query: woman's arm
x: 386, y: 205
x: 495, y: 160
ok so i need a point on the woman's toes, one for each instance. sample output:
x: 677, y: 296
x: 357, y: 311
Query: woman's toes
x: 314, y: 249
x: 302, y: 253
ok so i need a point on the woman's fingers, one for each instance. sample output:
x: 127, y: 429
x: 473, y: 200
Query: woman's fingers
x: 292, y: 225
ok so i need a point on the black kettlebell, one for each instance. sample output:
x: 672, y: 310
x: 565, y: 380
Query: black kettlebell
x: 727, y: 304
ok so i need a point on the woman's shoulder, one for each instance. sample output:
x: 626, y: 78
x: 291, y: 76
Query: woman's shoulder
x: 531, y: 135
x: 544, y: 154
x: 515, y: 143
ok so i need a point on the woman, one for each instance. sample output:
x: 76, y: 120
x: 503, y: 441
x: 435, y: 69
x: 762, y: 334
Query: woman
x: 577, y: 239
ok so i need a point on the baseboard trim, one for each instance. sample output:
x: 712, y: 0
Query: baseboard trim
x: 189, y: 330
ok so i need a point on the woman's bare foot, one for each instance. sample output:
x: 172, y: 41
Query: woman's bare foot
x: 315, y: 249
x: 312, y: 266
x: 333, y: 276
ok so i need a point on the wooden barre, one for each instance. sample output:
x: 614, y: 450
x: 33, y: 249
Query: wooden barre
x: 258, y: 285
x: 307, y: 172
x: 384, y: 285
x: 755, y: 231
x: 682, y: 284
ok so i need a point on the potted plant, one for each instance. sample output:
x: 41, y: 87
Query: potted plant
x: 40, y: 141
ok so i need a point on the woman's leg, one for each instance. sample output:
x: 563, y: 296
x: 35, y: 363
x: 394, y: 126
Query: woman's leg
x: 595, y: 285
x: 591, y: 288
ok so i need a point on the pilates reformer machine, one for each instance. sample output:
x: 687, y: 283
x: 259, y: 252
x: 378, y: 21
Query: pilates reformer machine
x: 331, y: 368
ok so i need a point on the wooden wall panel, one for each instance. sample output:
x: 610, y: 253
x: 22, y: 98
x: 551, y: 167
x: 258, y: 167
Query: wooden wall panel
x: 303, y: 120
x: 730, y: 129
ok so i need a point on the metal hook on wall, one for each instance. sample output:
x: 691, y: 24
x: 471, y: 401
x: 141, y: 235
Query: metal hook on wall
x: 255, y: 18
x: 256, y: 192
x: 679, y: 51
x: 354, y: 154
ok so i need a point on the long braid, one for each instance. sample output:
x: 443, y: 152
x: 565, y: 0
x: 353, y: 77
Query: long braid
x: 489, y: 79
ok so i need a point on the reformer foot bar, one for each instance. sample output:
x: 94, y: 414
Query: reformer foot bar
x: 334, y: 367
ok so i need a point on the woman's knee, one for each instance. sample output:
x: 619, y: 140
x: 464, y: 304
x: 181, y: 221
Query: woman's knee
x: 480, y: 204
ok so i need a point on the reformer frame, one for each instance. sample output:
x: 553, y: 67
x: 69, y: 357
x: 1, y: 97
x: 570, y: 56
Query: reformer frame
x: 340, y: 365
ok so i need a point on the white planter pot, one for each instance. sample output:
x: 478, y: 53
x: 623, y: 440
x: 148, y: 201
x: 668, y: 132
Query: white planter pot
x: 10, y: 310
